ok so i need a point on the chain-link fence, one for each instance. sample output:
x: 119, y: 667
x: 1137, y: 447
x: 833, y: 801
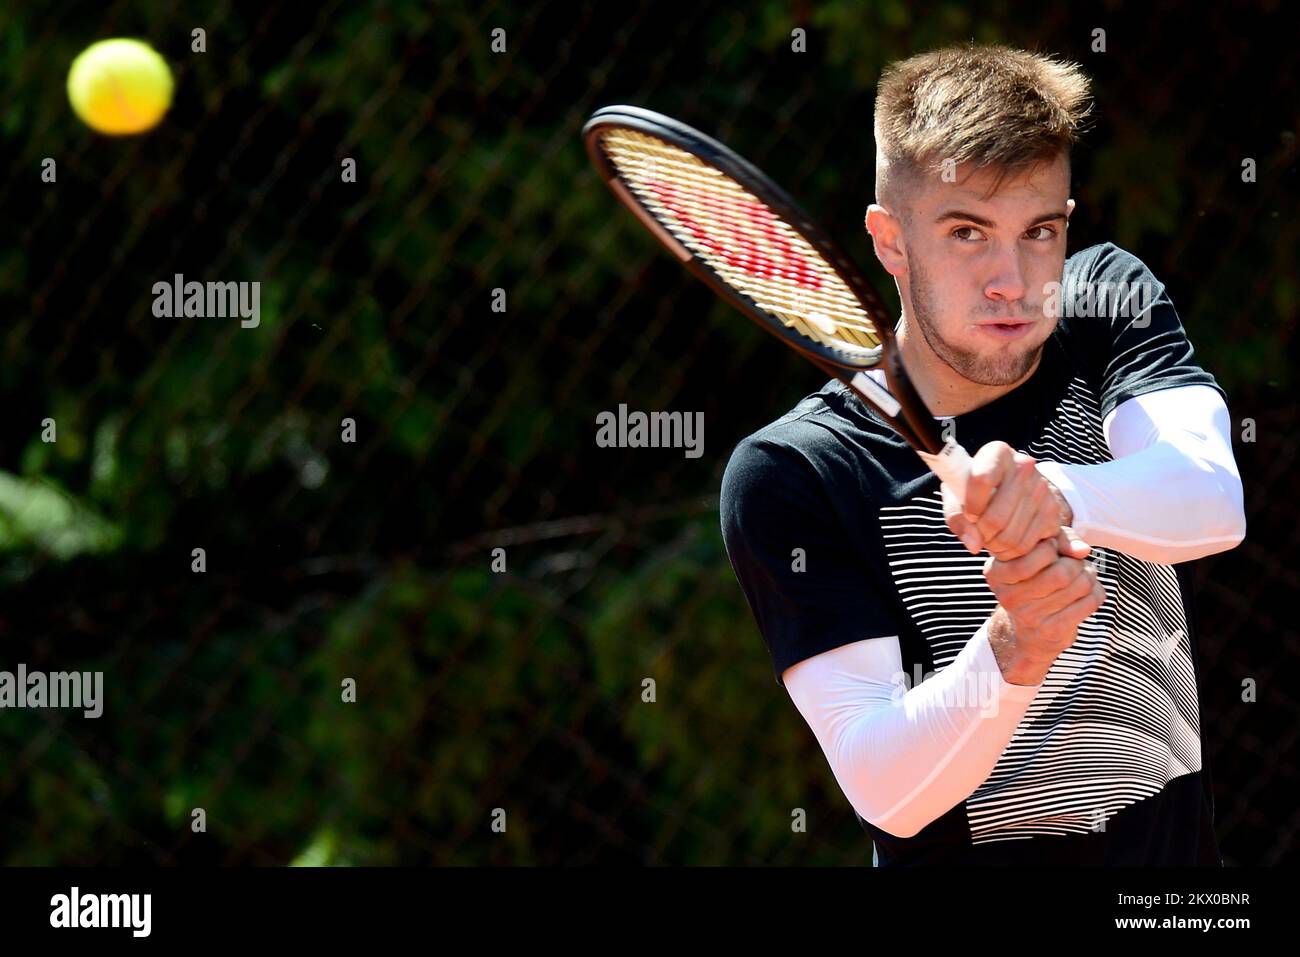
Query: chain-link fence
x: 385, y: 484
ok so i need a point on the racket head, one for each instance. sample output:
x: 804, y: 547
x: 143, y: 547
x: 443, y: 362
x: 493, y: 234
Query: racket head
x: 741, y: 234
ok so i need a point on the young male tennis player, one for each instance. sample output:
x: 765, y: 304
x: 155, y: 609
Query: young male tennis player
x: 1019, y: 698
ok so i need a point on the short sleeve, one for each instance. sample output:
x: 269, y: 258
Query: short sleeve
x: 773, y: 502
x: 1143, y: 345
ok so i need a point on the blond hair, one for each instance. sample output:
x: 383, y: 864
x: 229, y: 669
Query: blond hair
x: 990, y: 106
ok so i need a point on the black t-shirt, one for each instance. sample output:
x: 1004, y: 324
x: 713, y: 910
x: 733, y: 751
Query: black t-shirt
x: 1107, y: 765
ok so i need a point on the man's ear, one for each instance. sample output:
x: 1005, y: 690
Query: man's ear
x: 887, y: 238
x: 1069, y: 208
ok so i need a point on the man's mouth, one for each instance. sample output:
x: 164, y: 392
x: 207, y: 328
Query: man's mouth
x: 1006, y: 328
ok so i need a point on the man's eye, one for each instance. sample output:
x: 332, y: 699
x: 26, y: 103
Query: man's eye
x: 1044, y: 232
x: 966, y: 234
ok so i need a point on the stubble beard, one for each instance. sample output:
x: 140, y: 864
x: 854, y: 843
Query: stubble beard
x: 1003, y: 367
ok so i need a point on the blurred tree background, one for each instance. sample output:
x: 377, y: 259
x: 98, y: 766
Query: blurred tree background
x: 329, y: 560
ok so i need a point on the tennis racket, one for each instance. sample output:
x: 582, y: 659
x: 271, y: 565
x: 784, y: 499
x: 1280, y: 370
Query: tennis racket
x: 740, y: 233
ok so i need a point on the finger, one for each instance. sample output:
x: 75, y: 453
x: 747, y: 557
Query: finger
x: 1052, y: 589
x: 1021, y: 569
x: 989, y: 466
x: 1024, y: 526
x: 969, y: 535
x: 1068, y: 543
x: 1047, y: 518
x: 960, y: 525
x: 1061, y: 582
x: 966, y: 532
x: 1065, y: 542
x: 1002, y: 503
x: 1084, y: 608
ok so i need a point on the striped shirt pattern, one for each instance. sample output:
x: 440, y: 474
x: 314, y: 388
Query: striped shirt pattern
x: 1116, y: 718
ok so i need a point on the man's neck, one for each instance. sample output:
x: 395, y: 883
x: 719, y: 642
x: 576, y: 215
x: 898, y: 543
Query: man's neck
x: 944, y: 391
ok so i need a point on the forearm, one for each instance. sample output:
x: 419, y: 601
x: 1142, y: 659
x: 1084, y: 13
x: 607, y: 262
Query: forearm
x: 1172, y: 492
x: 905, y: 758
x: 1162, y: 504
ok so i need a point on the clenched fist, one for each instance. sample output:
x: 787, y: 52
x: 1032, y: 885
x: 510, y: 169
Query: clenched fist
x: 1043, y: 597
x: 1009, y: 508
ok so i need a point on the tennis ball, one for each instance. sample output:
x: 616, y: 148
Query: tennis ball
x: 120, y: 86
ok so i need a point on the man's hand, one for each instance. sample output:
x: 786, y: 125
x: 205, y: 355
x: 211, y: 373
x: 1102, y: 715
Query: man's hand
x: 1009, y: 506
x: 1043, y: 596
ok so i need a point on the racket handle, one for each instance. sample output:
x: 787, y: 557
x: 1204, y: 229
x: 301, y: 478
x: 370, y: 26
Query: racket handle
x: 951, y: 464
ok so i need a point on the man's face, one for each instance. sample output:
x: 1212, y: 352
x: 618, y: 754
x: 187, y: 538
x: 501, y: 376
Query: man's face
x: 977, y: 266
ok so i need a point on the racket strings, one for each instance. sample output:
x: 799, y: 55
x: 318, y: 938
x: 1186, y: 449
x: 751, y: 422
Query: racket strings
x: 742, y: 240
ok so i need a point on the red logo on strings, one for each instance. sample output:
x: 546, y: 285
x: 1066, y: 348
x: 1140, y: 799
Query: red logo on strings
x: 759, y: 249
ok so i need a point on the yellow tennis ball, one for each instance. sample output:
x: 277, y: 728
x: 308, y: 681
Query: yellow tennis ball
x: 120, y: 86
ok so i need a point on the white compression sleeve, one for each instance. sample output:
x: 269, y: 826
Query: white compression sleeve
x: 1173, y: 492
x: 905, y: 759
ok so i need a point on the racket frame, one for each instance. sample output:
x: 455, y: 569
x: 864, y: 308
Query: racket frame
x: 900, y: 406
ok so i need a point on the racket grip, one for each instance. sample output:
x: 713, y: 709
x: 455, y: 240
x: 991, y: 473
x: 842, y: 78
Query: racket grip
x: 951, y: 464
